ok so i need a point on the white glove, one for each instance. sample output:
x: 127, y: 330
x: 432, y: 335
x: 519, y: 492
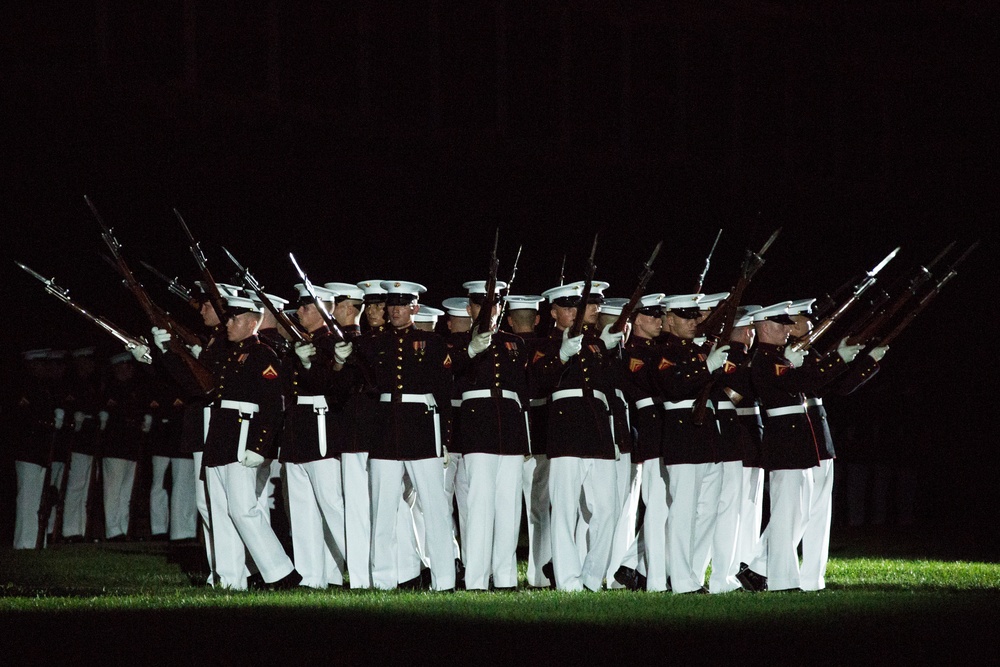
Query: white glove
x: 147, y: 423
x: 717, y: 357
x: 252, y: 459
x: 341, y: 351
x: 848, y: 352
x: 59, y: 418
x: 877, y: 353
x: 303, y: 351
x: 479, y: 343
x: 611, y: 340
x: 699, y: 340
x: 139, y: 352
x: 78, y: 418
x: 160, y: 337
x: 570, y: 346
x: 195, y: 350
x: 103, y: 417
x: 795, y: 357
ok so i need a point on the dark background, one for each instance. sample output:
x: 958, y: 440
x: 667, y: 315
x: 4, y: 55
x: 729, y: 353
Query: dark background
x: 391, y: 139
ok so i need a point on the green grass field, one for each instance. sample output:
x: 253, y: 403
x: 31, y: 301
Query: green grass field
x: 141, y: 604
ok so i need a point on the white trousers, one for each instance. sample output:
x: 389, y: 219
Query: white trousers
x: 30, y: 482
x: 172, y: 511
x: 494, y: 520
x: 751, y: 513
x: 535, y: 485
x: 778, y: 557
x: 629, y: 484
x: 685, y: 481
x: 357, y: 518
x: 386, y: 486
x: 119, y: 476
x: 201, y: 503
x: 316, y: 513
x: 159, y: 499
x: 717, y: 526
x: 239, y: 526
x: 816, y: 536
x: 648, y: 552
x: 456, y: 485
x: 77, y: 489
x: 582, y: 486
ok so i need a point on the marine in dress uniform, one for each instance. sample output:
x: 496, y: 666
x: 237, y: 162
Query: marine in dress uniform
x: 36, y: 423
x: 172, y: 513
x: 311, y: 446
x: 522, y: 319
x: 82, y: 401
x: 412, y: 372
x: 790, y: 448
x: 818, y: 520
x: 644, y: 566
x: 491, y: 365
x: 689, y: 450
x: 245, y: 414
x: 581, y: 448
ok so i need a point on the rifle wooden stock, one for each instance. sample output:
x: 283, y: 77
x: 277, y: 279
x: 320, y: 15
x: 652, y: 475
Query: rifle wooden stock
x: 484, y: 318
x: 644, y: 275
x: 581, y: 307
x: 180, y: 336
x: 47, y: 501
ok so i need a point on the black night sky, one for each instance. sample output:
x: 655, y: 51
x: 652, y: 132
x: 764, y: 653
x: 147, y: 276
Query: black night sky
x: 391, y: 140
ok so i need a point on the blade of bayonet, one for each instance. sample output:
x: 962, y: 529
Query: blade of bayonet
x: 593, y: 250
x: 940, y: 256
x: 245, y: 275
x: 562, y: 272
x: 656, y: 251
x: 173, y: 284
x: 305, y: 278
x: 881, y: 265
x: 109, y: 235
x: 964, y: 255
x: 156, y: 272
x: 199, y: 256
x: 187, y: 231
x: 769, y: 242
x: 47, y: 281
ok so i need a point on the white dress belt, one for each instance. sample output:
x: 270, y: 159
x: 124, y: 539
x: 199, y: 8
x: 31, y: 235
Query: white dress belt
x: 456, y: 402
x: 538, y: 402
x: 745, y: 412
x: 725, y: 405
x: 688, y: 404
x: 428, y: 400
x: 787, y: 410
x: 646, y: 402
x: 814, y: 402
x: 246, y: 411
x: 488, y: 393
x: 628, y: 415
x: 578, y: 393
x: 320, y: 407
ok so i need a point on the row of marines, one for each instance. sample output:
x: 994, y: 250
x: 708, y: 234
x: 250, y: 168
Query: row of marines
x: 382, y: 429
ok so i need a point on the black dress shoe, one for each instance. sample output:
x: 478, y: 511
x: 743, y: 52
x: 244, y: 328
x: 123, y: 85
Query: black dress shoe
x: 750, y: 580
x: 255, y: 582
x: 288, y: 582
x: 630, y: 578
x: 420, y: 582
x: 549, y: 572
x: 459, y: 574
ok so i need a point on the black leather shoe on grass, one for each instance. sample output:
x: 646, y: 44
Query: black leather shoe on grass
x: 750, y: 580
x: 288, y: 582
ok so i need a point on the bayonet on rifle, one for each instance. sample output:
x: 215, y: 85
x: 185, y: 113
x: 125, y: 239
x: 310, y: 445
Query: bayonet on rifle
x: 214, y: 296
x: 708, y: 262
x: 62, y: 294
x: 293, y: 328
x: 173, y: 285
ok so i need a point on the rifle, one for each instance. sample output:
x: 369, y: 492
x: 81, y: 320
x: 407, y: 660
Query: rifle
x: 708, y: 261
x: 723, y: 319
x: 719, y: 324
x: 179, y: 335
x: 293, y: 328
x: 810, y: 339
x: 49, y: 495
x: 331, y: 324
x: 581, y: 307
x: 921, y: 276
x: 62, y: 294
x: 484, y: 318
x: 562, y: 272
x: 218, y: 304
x: 173, y: 285
x: 644, y: 275
x: 927, y: 298
x: 513, y: 274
